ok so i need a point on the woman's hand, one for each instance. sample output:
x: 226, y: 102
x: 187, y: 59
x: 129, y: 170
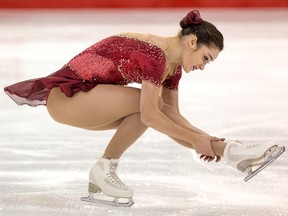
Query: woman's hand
x: 209, y: 158
x: 202, y: 145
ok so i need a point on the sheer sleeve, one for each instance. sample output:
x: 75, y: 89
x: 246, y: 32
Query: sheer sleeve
x: 152, y: 64
x: 145, y: 62
x: 173, y: 81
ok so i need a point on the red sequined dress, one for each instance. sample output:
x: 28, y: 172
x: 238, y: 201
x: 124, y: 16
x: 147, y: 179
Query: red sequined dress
x: 115, y: 60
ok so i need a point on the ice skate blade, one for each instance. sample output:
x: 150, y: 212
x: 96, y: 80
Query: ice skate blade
x: 268, y: 161
x: 115, y: 202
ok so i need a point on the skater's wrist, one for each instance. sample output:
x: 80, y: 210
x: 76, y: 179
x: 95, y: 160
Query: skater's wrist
x: 202, y: 145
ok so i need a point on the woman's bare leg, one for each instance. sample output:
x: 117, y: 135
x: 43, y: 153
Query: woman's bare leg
x: 104, y: 107
x: 130, y: 129
x: 108, y: 107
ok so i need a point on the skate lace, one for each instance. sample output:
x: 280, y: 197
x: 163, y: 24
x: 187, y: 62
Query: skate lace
x: 246, y: 145
x: 114, y: 179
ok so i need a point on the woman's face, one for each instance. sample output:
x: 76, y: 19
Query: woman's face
x: 196, y: 57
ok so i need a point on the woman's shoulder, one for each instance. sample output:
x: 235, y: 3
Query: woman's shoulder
x: 138, y: 35
x: 126, y: 41
x: 150, y: 39
x: 140, y: 47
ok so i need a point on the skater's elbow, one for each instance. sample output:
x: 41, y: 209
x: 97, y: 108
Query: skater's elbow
x: 149, y: 118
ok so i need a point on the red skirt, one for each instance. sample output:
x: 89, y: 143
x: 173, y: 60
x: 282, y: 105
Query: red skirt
x: 34, y: 92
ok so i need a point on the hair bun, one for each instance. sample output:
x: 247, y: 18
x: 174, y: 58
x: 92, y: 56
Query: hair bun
x: 193, y: 17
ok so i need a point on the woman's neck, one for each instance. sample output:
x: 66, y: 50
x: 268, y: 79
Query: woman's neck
x: 173, y: 49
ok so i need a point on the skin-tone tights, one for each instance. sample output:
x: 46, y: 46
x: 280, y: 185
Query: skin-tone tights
x: 109, y: 107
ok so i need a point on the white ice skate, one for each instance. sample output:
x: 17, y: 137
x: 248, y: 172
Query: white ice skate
x: 103, y: 178
x: 244, y: 157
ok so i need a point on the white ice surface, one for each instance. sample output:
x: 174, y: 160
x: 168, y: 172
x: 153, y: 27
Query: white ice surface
x: 243, y: 95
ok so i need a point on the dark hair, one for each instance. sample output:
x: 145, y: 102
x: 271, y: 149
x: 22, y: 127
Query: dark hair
x: 205, y: 32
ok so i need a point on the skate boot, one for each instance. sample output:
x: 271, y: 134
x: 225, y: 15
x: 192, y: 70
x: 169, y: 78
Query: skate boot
x: 103, y: 178
x: 244, y: 157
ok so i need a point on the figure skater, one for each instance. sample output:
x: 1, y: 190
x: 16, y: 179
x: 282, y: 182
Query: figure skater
x: 91, y: 92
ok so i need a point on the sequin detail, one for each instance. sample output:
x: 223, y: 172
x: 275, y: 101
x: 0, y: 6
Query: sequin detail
x: 122, y: 60
x: 172, y: 82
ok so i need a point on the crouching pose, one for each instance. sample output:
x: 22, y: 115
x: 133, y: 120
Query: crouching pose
x: 91, y: 92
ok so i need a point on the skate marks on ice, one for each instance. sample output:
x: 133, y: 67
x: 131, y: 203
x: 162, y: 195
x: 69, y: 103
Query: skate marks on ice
x: 160, y: 197
x: 172, y: 196
x: 163, y: 185
x: 44, y: 167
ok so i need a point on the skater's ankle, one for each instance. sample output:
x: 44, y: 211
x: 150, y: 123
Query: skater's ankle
x: 110, y: 157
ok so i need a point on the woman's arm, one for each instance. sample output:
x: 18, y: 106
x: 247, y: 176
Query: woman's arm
x: 153, y: 117
x: 171, y: 110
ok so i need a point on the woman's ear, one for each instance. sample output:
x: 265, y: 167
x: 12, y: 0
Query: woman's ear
x: 192, y: 42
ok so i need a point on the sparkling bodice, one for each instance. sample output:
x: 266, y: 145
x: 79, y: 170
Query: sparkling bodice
x: 122, y: 60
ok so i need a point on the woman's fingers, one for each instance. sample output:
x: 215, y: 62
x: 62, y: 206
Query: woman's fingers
x: 203, y: 146
x: 206, y: 158
x: 206, y: 149
x: 218, y: 158
x: 216, y: 139
x: 209, y: 158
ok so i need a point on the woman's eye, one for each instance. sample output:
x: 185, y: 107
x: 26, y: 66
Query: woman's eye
x: 206, y: 59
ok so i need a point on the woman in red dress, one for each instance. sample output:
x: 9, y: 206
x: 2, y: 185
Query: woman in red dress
x: 90, y: 92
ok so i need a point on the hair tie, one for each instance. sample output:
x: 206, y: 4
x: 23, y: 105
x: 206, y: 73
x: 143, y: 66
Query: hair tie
x: 193, y: 17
